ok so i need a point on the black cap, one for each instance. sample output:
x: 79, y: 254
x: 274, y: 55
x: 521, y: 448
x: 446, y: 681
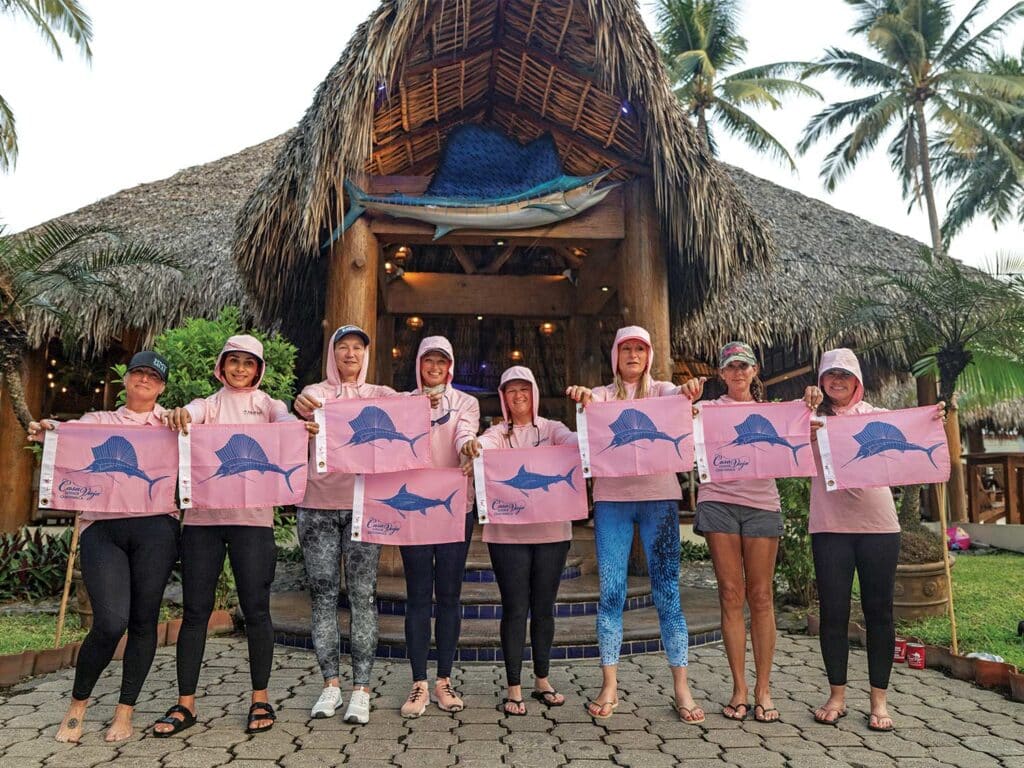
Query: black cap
x: 351, y: 330
x: 150, y: 359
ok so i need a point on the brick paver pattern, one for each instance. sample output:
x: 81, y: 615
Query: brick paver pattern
x: 940, y: 721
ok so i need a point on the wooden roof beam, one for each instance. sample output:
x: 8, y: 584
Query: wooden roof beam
x: 497, y: 36
x: 434, y: 293
x: 565, y: 28
x: 464, y: 259
x: 499, y: 261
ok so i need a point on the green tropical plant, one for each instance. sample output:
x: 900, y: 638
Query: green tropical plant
x: 33, y: 565
x: 699, y: 40
x: 928, y: 71
x: 42, y: 268
x: 795, y: 571
x: 50, y: 18
x: 987, y: 176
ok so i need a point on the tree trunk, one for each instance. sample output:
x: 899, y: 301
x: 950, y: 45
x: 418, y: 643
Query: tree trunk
x: 926, y: 178
x: 16, y: 391
x: 957, y: 490
x: 928, y: 395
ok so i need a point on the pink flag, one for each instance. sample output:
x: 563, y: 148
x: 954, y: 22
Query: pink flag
x: 884, y: 448
x: 109, y: 469
x: 420, y: 506
x: 530, y: 485
x: 626, y: 438
x: 375, y: 435
x: 242, y: 466
x: 746, y: 441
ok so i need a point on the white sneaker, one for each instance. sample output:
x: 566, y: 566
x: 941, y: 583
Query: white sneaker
x: 358, y: 708
x: 330, y: 699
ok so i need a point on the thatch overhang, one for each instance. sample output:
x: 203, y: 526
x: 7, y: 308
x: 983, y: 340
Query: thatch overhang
x: 190, y: 215
x: 587, y: 71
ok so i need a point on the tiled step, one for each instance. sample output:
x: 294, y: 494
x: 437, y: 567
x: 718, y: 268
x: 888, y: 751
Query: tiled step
x: 575, y: 636
x: 482, y: 600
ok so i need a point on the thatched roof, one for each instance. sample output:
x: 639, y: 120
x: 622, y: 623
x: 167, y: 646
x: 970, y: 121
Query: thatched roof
x: 587, y: 71
x: 191, y: 215
x: 821, y: 252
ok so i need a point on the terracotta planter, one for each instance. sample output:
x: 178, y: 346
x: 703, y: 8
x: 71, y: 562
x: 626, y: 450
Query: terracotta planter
x: 10, y: 669
x: 220, y: 621
x: 937, y: 657
x: 68, y: 655
x: 121, y: 645
x: 1017, y: 686
x: 921, y: 590
x: 48, y: 660
x: 83, y: 606
x: 173, y: 628
x: 75, y: 648
x: 28, y: 662
x: 813, y: 624
x: 161, y: 634
x: 961, y: 667
x: 992, y: 674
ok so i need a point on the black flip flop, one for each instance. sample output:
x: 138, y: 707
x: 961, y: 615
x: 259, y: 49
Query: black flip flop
x: 762, y: 719
x: 517, y: 702
x: 260, y: 710
x: 879, y: 728
x: 834, y: 723
x: 542, y: 697
x: 736, y: 711
x: 187, y: 720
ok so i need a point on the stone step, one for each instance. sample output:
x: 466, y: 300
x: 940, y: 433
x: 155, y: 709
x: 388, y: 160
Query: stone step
x: 482, y: 600
x: 575, y: 636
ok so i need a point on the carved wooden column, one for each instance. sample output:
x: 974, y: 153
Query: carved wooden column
x: 352, y: 275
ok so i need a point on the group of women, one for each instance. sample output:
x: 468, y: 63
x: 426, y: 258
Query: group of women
x: 851, y: 530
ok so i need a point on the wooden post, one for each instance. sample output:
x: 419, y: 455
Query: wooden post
x: 643, y: 294
x: 18, y: 464
x: 928, y: 394
x: 352, y: 275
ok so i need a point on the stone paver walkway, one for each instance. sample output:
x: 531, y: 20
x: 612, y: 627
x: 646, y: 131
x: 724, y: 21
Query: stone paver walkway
x: 940, y: 721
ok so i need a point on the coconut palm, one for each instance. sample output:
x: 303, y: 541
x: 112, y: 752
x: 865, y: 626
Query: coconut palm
x: 39, y: 270
x: 50, y: 18
x: 965, y: 325
x: 986, y: 170
x: 699, y: 40
x: 928, y: 71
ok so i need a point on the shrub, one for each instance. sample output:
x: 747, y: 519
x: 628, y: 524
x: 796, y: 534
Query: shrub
x: 33, y: 566
x: 692, y: 551
x: 796, y: 564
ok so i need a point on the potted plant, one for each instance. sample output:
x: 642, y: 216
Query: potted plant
x: 922, y: 588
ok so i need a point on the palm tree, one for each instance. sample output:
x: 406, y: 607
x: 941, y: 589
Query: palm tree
x: 923, y: 60
x: 50, y: 17
x: 985, y: 169
x: 965, y: 325
x: 699, y: 39
x: 40, y: 270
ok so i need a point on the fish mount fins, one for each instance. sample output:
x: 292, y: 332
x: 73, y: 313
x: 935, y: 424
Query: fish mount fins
x: 355, y: 210
x: 441, y: 230
x: 559, y: 209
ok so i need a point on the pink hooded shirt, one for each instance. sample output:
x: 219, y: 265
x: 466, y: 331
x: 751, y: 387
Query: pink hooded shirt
x: 758, y: 494
x: 334, y: 490
x: 649, y: 487
x: 456, y: 419
x: 541, y: 432
x: 852, y: 510
x: 237, y: 405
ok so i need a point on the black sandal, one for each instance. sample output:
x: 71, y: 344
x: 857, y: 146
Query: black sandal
x: 545, y: 698
x: 187, y: 720
x: 517, y: 702
x: 761, y: 714
x: 260, y: 710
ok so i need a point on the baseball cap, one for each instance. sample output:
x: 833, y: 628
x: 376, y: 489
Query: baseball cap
x: 350, y: 330
x: 150, y: 359
x: 736, y: 350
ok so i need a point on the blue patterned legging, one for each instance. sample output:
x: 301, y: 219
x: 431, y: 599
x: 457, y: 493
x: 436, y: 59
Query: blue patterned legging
x: 659, y: 532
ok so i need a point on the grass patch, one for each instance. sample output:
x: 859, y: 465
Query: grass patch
x: 988, y: 597
x: 24, y: 632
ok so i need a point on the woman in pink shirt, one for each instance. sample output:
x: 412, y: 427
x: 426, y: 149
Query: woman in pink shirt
x: 247, y: 535
x: 527, y: 559
x: 652, y: 503
x: 126, y: 560
x: 854, y: 529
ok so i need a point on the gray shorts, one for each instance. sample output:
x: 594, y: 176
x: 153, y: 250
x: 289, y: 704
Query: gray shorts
x: 719, y: 517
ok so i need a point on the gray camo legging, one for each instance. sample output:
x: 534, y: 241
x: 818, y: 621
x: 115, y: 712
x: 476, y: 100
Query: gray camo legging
x: 326, y: 536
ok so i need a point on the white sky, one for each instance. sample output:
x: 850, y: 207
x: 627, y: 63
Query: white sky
x: 179, y: 84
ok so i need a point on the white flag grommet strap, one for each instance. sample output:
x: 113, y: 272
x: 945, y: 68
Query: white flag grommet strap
x: 320, y: 417
x: 480, y: 486
x: 583, y: 438
x: 828, y: 470
x: 185, y: 470
x: 700, y: 450
x: 358, y: 496
x: 47, y: 468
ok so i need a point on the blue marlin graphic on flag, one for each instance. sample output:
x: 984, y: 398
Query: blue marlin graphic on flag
x: 757, y: 429
x: 242, y: 454
x: 406, y: 501
x: 374, y: 424
x: 878, y: 437
x: 634, y: 425
x: 116, y: 454
x: 525, y: 480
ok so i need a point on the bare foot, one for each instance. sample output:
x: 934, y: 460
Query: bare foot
x: 121, y: 728
x: 70, y: 730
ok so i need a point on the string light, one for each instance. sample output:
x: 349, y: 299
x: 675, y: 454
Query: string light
x: 515, y: 355
x: 546, y: 328
x: 414, y: 323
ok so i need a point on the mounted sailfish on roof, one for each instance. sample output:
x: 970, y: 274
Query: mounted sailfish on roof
x: 485, y: 180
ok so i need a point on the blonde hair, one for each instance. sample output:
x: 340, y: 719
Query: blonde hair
x: 643, y: 387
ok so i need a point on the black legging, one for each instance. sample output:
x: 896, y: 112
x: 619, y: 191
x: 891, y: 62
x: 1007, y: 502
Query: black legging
x: 125, y: 565
x: 253, y: 557
x: 874, y: 557
x: 434, y: 570
x: 528, y: 576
